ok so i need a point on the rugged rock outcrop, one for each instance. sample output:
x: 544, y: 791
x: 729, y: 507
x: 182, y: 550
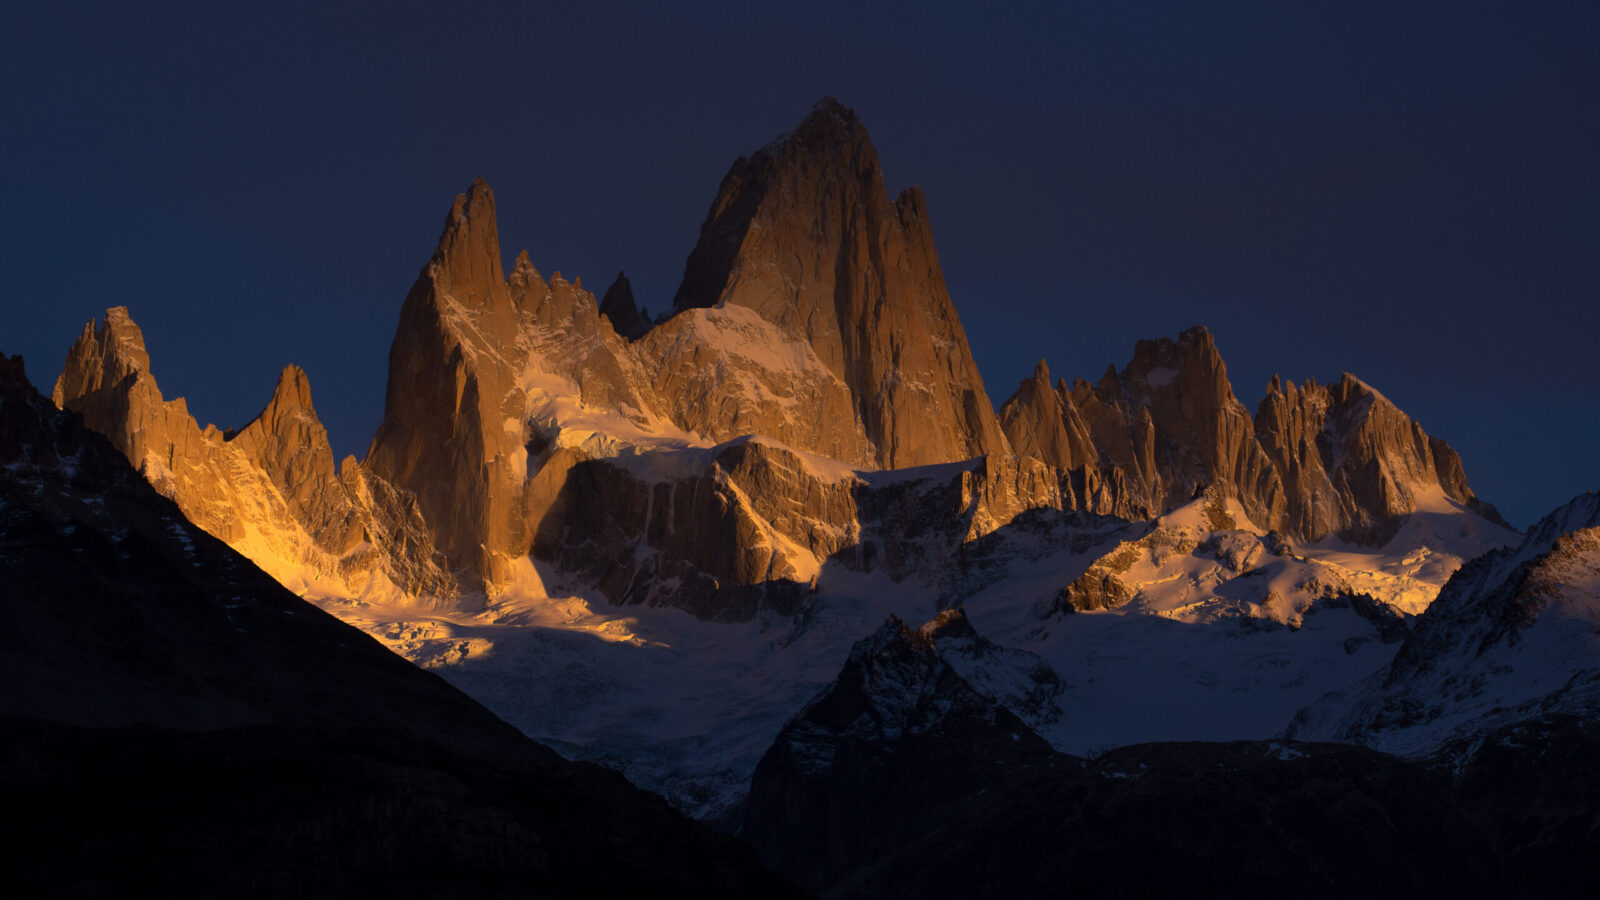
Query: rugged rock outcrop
x: 804, y: 234
x: 727, y: 532
x: 617, y: 305
x: 1314, y: 461
x: 107, y: 380
x: 288, y: 443
x: 1019, y: 680
x: 269, y: 490
x: 1170, y: 423
x: 452, y: 430
x: 176, y: 721
x: 1351, y: 461
x: 1041, y: 421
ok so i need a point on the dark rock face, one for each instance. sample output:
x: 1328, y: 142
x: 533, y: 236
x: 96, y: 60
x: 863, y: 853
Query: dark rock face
x: 617, y: 305
x: 175, y: 720
x: 899, y: 735
x: 1533, y: 788
x: 1250, y: 819
x: 804, y: 233
x: 902, y: 780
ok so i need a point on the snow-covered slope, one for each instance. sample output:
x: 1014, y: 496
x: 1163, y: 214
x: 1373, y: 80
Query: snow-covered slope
x: 1513, y: 636
x: 1222, y: 638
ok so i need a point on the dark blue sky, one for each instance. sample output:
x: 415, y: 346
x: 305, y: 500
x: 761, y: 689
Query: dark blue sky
x: 1412, y: 195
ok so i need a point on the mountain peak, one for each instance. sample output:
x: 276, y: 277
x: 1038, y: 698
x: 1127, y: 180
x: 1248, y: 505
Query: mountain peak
x: 893, y: 630
x: 951, y: 623
x: 830, y: 106
x: 805, y: 234
x: 618, y: 306
x: 466, y: 261
x: 105, y: 354
x: 294, y: 389
x: 829, y: 116
x: 12, y: 371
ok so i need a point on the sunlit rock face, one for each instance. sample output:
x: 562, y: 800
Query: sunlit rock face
x: 270, y: 490
x: 804, y: 234
x: 721, y: 458
x: 1314, y: 461
x: 288, y: 443
x: 508, y: 398
x: 1352, y: 461
x: 452, y: 429
x: 1169, y: 422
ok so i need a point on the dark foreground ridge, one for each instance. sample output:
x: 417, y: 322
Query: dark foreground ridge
x: 903, y: 780
x: 174, y: 721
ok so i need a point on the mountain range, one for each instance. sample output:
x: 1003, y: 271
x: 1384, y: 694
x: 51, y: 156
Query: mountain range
x: 651, y: 542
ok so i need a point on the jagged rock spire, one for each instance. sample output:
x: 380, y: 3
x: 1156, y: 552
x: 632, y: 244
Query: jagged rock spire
x: 466, y: 263
x: 1314, y: 460
x: 618, y: 306
x: 452, y: 386
x: 805, y: 234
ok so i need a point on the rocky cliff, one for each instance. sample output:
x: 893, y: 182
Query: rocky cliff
x: 804, y: 234
x: 1313, y: 461
x: 269, y: 490
x: 452, y: 430
x: 1352, y: 462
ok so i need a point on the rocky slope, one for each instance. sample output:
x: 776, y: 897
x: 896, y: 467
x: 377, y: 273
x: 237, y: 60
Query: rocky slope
x: 1511, y: 637
x: 177, y: 722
